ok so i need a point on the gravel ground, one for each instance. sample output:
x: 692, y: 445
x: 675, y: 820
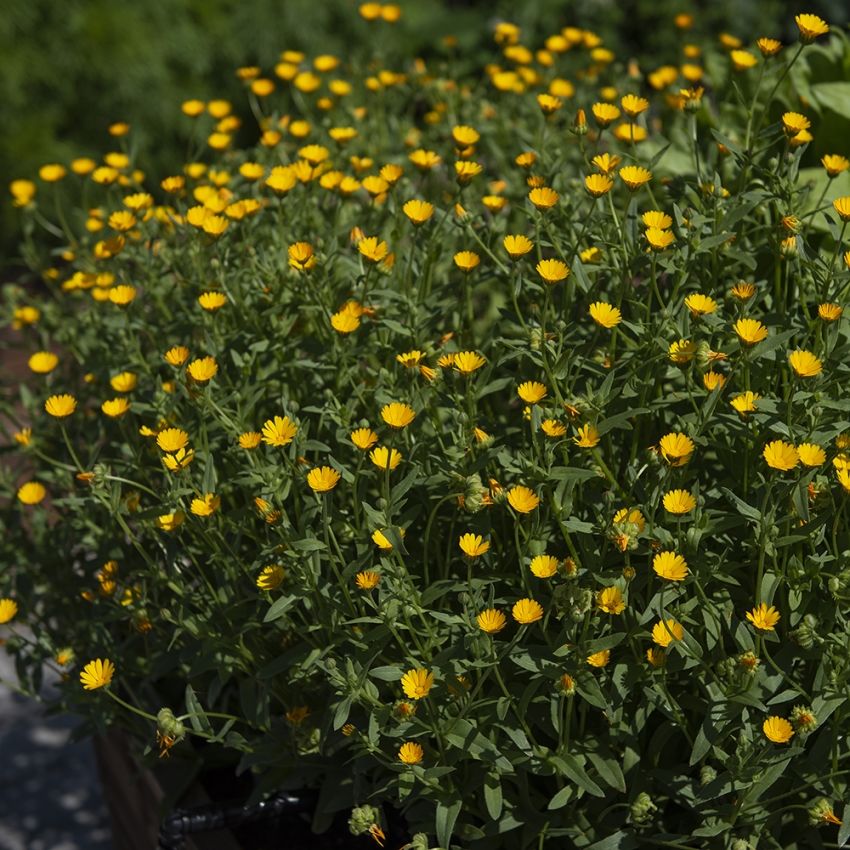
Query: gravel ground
x: 50, y: 796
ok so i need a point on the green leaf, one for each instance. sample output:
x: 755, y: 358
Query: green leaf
x: 744, y: 509
x: 445, y: 821
x: 618, y: 841
x: 571, y: 473
x: 387, y: 674
x: 197, y: 715
x: 608, y: 770
x: 278, y: 608
x: 493, y: 795
x: 343, y: 709
x: 571, y: 767
x: 561, y: 798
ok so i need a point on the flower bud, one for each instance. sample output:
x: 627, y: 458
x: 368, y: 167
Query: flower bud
x: 804, y: 719
x: 579, y: 127
x: 642, y: 808
x: 707, y: 774
x: 362, y: 819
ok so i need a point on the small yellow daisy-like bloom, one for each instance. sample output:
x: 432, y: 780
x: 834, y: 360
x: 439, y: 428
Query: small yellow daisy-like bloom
x: 207, y: 505
x: 123, y: 382
x: 634, y: 105
x: 425, y: 160
x: 385, y: 458
x: 835, y: 164
x: 670, y: 566
x: 544, y: 566
x: 553, y: 428
x: 363, y: 438
x: 610, y: 600
x: 805, y: 364
x: 410, y: 753
x: 270, y: 577
x: 635, y: 176
x: 679, y: 502
x: 203, y: 369
x: 522, y: 499
x: 466, y: 170
x: 532, y: 392
x: 743, y: 60
x: 410, y: 359
x: 586, y: 436
x: 473, y: 545
x: 52, y: 173
x: 598, y: 184
x: 418, y: 211
x: 656, y: 657
x: 172, y: 439
x: 664, y: 632
x: 811, y: 454
x: 843, y: 476
x: 491, y: 621
x: 23, y: 192
x: 279, y: 431
x: 322, y: 479
x: 122, y: 295
x: 778, y: 729
x: 179, y: 460
x: 60, y: 406
x: 397, y: 414
x: 465, y: 137
x: 743, y: 291
x: 700, y: 304
x: 676, y: 449
x: 467, y: 362
x: 97, y: 674
x: 23, y: 437
x: 750, y: 331
x: 682, y: 351
x: 345, y: 321
x: 658, y: 219
x: 122, y: 221
x: 810, y: 26
x: 769, y: 46
x: 170, y: 522
x: 417, y: 683
x: 605, y: 314
x: 466, y: 261
x: 8, y: 610
x: 606, y: 163
x: 794, y: 123
x: 659, y: 240
x: 301, y: 256
x: 367, y: 579
x: 115, y: 407
x: 177, y: 355
x: 373, y: 249
x: 543, y: 197
x: 830, y: 312
x: 842, y: 207
x: 781, y: 455
x: 549, y: 103
x: 517, y: 245
x: 552, y: 271
x: 599, y: 659
x: 605, y: 113
x: 745, y: 402
x: 250, y: 439
x: 43, y: 362
x: 31, y: 493
x: 764, y: 617
x: 527, y: 611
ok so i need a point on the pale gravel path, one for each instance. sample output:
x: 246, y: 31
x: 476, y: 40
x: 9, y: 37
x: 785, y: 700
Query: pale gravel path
x: 50, y: 796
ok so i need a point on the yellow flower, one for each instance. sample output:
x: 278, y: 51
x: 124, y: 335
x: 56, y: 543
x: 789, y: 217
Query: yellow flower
x: 367, y: 579
x: 43, y: 362
x: 270, y: 577
x: 345, y: 321
x: 830, y: 312
x: 635, y: 176
x: 517, y: 245
x: 679, y: 502
x: 202, y: 369
x: 123, y: 382
x: 544, y: 566
x: 417, y: 683
x: 212, y: 300
x: 473, y: 545
x: 115, y: 407
x: 606, y: 163
x: 599, y: 659
x: 523, y: 499
x: 656, y: 657
x: 780, y: 455
x: 418, y: 211
x: 464, y: 136
x: 750, y: 331
x: 466, y: 261
x: 172, y: 439
x: 634, y: 105
x: 553, y: 428
x: 670, y: 566
x: 598, y: 184
x: 552, y: 271
x: 52, y: 172
x: 743, y: 291
x: 810, y: 26
x: 764, y: 617
x: 385, y: 458
x: 657, y: 219
x: 250, y: 439
x: 179, y: 460
x: 610, y: 600
x: 778, y: 729
x: 543, y: 197
x: 527, y: 611
x: 31, y: 493
x: 676, y: 448
x: 805, y: 364
x: 122, y: 295
x: 23, y: 437
x: 279, y: 431
x: 177, y: 355
x: 699, y: 304
x: 323, y: 479
x: 605, y: 315
x: 586, y: 436
x: 549, y: 103
x: 170, y: 522
x: 397, y: 414
x: 794, y: 123
x: 466, y: 170
x: 491, y: 621
x: 811, y: 454
x: 682, y: 351
x: 363, y: 438
x: 60, y: 406
x: 745, y: 402
x: 605, y: 113
x: 23, y: 192
x: 834, y: 164
x: 206, y: 505
x: 8, y: 610
x: 659, y: 239
x: 769, y: 46
x: 97, y: 674
x: 410, y: 753
x: 532, y: 392
x: 743, y: 60
x: 664, y: 632
x: 467, y: 362
x: 373, y: 249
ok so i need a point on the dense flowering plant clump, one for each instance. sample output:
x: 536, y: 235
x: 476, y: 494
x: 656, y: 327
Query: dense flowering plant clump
x: 476, y: 445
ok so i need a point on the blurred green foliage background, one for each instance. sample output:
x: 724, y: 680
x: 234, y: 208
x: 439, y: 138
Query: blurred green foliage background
x: 68, y: 70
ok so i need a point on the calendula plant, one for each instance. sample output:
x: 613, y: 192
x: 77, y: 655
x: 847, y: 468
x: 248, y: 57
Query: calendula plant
x: 475, y: 445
